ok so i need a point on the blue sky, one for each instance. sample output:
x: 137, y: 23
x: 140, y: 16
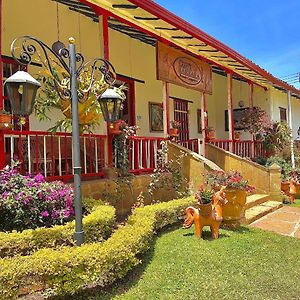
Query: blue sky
x: 265, y: 31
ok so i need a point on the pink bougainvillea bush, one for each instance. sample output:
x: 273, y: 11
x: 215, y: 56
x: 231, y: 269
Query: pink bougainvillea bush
x: 31, y: 202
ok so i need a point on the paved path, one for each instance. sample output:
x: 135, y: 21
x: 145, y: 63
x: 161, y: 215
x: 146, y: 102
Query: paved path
x: 285, y: 221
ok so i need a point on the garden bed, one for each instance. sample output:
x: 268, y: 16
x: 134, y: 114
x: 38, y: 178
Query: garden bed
x: 71, y: 269
x: 98, y: 225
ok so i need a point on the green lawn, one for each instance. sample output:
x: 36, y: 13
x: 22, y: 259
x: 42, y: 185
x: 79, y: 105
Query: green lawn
x: 296, y: 203
x: 246, y: 264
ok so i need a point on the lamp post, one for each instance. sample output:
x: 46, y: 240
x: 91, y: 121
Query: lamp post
x: 22, y: 90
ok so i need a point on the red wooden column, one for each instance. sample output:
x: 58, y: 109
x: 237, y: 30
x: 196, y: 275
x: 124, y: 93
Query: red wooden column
x: 203, y: 121
x: 251, y: 106
x: 2, y: 154
x: 290, y: 122
x: 166, y: 108
x: 250, y: 94
x: 103, y: 20
x: 230, y: 111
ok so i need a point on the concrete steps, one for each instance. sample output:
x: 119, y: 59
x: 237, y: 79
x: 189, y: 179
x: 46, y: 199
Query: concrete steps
x: 256, y: 199
x: 259, y: 205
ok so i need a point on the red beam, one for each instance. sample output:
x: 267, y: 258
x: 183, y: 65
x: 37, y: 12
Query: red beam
x: 183, y: 25
x: 101, y: 11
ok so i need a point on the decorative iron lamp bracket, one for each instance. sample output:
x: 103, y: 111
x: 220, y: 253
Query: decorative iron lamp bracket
x: 25, y: 49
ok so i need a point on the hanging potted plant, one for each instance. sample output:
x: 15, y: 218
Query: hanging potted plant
x: 89, y: 110
x: 5, y: 119
x: 174, y: 130
x: 236, y: 192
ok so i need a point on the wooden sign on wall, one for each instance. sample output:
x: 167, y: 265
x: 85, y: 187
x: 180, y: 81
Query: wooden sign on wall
x: 182, y: 69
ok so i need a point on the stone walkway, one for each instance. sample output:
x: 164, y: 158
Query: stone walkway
x: 285, y: 221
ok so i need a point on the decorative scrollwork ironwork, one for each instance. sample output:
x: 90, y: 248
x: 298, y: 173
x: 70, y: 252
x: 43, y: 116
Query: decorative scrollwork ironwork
x: 26, y: 49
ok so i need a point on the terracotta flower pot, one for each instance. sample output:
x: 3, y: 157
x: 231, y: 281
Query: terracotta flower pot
x: 285, y: 186
x: 237, y: 136
x: 297, y: 195
x: 205, y: 209
x: 5, y: 121
x: 234, y: 209
x: 211, y: 135
x: 174, y: 132
x: 114, y: 128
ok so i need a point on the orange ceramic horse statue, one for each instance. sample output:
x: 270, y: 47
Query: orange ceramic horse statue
x: 292, y: 190
x: 213, y: 219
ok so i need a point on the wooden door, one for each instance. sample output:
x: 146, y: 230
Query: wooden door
x: 181, y: 115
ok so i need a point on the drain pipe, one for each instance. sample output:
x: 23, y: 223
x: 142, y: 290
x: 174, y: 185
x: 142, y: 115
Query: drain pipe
x: 291, y: 126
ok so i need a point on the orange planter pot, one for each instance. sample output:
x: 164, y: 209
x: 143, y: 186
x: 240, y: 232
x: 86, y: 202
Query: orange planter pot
x: 5, y: 121
x: 174, y: 132
x: 114, y: 128
x: 285, y: 186
x: 205, y: 209
x: 234, y: 209
x: 297, y: 195
x: 211, y: 135
x: 237, y: 136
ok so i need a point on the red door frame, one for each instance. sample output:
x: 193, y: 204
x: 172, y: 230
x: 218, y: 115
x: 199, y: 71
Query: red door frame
x: 131, y: 90
x: 181, y: 115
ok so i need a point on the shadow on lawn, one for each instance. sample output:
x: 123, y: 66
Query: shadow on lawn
x: 223, y: 233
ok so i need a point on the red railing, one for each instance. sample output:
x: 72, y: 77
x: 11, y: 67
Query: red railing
x: 143, y: 153
x: 51, y: 154
x: 247, y: 148
x: 193, y: 144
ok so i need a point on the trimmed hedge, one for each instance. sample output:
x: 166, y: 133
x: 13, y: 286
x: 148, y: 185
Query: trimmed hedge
x: 98, y: 226
x: 74, y: 268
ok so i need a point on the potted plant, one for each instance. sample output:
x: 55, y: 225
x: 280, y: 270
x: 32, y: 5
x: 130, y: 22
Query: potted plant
x: 205, y: 197
x: 210, y: 133
x: 277, y: 137
x: 174, y: 130
x: 255, y: 121
x: 237, y: 135
x: 5, y: 119
x: 236, y: 192
x: 114, y: 128
x: 121, y: 148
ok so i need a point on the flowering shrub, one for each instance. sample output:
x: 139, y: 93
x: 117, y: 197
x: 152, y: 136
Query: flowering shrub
x: 277, y: 137
x: 31, y: 202
x: 175, y: 124
x: 232, y: 180
x: 121, y: 147
x: 204, y: 195
x: 256, y: 121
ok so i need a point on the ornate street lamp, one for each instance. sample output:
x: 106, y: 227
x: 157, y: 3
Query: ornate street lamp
x: 21, y: 89
x: 22, y: 93
x: 110, y: 102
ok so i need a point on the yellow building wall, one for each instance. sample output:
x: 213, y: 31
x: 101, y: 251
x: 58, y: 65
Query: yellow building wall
x: 131, y: 58
x: 38, y: 19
